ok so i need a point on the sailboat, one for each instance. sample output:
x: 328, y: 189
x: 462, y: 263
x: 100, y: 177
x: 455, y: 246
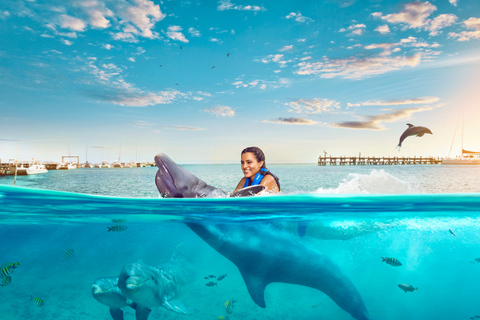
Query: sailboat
x: 467, y: 157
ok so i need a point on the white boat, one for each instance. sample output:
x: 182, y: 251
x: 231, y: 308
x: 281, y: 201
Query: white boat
x: 117, y: 165
x: 88, y: 165
x: 467, y: 158
x: 27, y: 169
x: 67, y: 166
x: 105, y: 165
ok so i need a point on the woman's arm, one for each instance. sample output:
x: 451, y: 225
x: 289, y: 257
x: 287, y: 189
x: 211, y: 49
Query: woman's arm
x: 240, y: 184
x: 270, y: 184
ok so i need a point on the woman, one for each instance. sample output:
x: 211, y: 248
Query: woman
x: 255, y: 171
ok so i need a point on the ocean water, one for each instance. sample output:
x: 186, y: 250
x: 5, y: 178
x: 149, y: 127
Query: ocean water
x: 427, y: 217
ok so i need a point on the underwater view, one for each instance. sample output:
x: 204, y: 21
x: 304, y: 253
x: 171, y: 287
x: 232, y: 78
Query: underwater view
x: 336, y: 243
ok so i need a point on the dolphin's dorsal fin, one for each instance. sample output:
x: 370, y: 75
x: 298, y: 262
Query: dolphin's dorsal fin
x: 256, y: 288
x: 178, y: 307
x: 117, y: 314
x: 410, y: 125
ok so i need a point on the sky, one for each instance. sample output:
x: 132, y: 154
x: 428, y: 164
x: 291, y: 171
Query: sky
x: 110, y: 80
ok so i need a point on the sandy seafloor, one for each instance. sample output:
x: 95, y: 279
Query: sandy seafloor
x: 440, y: 265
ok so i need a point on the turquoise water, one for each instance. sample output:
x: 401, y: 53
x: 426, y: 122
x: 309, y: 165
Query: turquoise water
x: 355, y: 216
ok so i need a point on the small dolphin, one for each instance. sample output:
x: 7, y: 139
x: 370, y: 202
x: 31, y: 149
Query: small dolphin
x: 107, y: 292
x: 413, y: 131
x: 151, y: 287
x: 407, y: 288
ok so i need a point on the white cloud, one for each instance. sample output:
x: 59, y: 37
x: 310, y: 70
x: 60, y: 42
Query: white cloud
x: 144, y: 15
x: 297, y: 121
x: 222, y: 111
x: 454, y: 2
x: 228, y: 5
x: 215, y: 40
x: 313, y: 105
x: 277, y: 58
x: 298, y: 17
x: 471, y: 23
x: 194, y: 32
x: 185, y: 128
x: 376, y: 122
x: 354, y: 68
x: 4, y: 15
x: 68, y: 22
x: 174, y: 33
x: 107, y: 46
x: 356, y: 29
x: 66, y: 42
x: 415, y: 16
x: 421, y: 100
x: 97, y: 18
x: 131, y: 59
x: 383, y: 29
x: 285, y: 48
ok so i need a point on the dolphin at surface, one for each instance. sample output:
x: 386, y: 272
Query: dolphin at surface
x: 262, y: 252
x: 149, y: 287
x: 413, y: 131
x: 106, y: 291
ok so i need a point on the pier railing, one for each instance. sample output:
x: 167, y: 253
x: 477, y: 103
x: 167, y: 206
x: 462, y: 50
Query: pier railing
x: 380, y: 161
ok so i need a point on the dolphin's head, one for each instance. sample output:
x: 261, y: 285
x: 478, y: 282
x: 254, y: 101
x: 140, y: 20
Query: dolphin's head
x: 137, y: 282
x: 106, y: 291
x: 175, y: 182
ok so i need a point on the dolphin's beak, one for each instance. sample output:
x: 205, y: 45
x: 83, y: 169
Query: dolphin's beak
x: 134, y: 283
x: 96, y: 289
x: 164, y: 180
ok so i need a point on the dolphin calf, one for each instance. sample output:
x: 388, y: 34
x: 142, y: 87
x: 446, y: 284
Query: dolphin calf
x: 413, y: 131
x: 149, y: 287
x: 262, y: 252
x: 106, y: 291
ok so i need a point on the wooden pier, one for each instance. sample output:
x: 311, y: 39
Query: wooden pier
x: 376, y: 161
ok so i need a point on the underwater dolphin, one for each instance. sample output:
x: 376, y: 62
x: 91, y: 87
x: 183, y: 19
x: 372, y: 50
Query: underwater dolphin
x: 151, y: 287
x: 106, y: 291
x: 413, y: 131
x: 262, y: 252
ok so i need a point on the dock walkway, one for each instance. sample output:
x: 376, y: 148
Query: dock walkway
x: 376, y: 161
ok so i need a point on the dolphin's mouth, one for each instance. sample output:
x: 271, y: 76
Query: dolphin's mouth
x: 133, y: 283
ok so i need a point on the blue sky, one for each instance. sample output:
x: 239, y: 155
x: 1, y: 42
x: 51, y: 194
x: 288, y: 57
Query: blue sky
x: 201, y: 80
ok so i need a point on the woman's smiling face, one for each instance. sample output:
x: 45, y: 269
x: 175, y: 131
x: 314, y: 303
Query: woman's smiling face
x: 250, y: 164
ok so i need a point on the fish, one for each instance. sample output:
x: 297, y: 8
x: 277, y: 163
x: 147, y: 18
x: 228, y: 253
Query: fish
x: 413, y: 131
x: 6, y: 281
x: 211, y: 284
x: 222, y: 318
x: 407, y: 288
x: 221, y: 277
x: 392, y: 261
x: 280, y: 254
x: 477, y: 259
x: 180, y: 47
x: 452, y: 233
x: 119, y: 220
x: 160, y: 65
x: 6, y: 270
x: 228, y: 54
x: 69, y: 254
x: 212, y: 276
x: 37, y: 301
x: 213, y: 67
x: 207, y: 278
x: 12, y: 265
x: 229, y: 306
x: 118, y: 228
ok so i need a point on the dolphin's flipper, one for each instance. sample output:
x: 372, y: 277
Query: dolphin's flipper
x: 302, y: 228
x: 256, y: 288
x: 420, y: 134
x: 142, y: 313
x: 178, y: 307
x: 117, y: 314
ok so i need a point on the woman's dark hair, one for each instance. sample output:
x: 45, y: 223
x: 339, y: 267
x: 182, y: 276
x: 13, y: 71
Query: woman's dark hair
x: 257, y: 152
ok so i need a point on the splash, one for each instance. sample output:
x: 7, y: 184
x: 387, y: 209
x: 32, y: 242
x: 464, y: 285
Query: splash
x: 377, y: 182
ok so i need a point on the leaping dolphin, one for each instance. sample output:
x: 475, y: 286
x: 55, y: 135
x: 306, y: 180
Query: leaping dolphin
x: 262, y: 253
x: 107, y: 292
x: 412, y: 131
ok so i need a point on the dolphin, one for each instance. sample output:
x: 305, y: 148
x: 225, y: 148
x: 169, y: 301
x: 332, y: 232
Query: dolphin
x: 413, y: 131
x: 151, y: 287
x: 107, y: 292
x: 262, y: 252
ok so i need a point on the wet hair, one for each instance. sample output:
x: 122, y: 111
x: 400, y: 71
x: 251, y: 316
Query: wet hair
x: 257, y: 152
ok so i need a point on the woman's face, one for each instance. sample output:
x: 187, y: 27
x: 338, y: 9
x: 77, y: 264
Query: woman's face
x: 250, y: 165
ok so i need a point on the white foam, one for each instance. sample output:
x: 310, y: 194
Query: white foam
x: 377, y: 182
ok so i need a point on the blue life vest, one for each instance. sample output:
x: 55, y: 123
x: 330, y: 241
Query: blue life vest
x: 258, y: 178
